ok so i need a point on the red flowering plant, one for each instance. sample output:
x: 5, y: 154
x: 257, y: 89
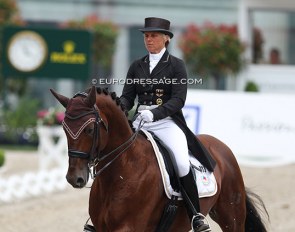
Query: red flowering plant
x: 105, y: 35
x: 50, y: 117
x: 212, y: 49
x: 9, y: 13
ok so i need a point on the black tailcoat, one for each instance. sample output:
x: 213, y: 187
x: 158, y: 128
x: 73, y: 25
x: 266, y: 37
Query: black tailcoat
x: 166, y: 86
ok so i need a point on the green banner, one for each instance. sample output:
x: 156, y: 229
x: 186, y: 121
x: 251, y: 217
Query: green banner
x: 46, y: 52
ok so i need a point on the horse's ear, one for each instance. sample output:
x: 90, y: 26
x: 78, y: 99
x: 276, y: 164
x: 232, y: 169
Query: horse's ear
x: 62, y: 99
x: 91, y: 98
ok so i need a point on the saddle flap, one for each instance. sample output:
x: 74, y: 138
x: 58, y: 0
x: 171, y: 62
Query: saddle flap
x: 206, y: 182
x: 170, y: 163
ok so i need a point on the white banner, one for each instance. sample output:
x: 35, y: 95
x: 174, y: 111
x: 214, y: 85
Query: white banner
x: 259, y: 128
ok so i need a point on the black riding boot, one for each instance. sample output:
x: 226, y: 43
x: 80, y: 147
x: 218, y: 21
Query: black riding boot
x: 191, y: 197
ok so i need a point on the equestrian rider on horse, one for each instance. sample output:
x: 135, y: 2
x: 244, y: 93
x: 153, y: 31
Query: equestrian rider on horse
x: 159, y: 80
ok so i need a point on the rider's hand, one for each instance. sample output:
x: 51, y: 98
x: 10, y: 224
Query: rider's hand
x: 146, y: 115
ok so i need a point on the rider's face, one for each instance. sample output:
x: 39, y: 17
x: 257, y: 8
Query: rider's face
x: 154, y: 41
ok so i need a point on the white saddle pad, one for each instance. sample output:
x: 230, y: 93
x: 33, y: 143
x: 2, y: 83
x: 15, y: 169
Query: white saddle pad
x: 206, y: 181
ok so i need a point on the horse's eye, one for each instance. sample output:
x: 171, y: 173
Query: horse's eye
x: 89, y: 130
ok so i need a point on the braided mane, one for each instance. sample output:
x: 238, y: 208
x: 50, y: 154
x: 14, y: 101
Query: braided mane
x: 113, y: 95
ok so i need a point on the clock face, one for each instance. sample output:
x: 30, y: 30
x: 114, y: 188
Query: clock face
x: 27, y: 51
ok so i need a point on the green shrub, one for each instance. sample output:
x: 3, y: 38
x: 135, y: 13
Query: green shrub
x: 22, y: 119
x: 2, y: 158
x: 251, y: 87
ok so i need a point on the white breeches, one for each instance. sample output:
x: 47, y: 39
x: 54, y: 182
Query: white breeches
x: 174, y: 138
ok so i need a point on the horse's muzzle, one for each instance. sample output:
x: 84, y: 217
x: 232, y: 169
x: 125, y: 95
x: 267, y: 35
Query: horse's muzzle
x: 77, y: 180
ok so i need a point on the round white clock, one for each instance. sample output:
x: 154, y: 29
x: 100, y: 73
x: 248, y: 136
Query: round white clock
x: 27, y: 51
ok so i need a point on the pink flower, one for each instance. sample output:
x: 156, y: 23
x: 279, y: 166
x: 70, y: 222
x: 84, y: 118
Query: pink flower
x: 50, y: 117
x: 60, y: 116
x: 42, y: 113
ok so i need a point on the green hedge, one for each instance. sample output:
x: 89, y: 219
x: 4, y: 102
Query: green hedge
x: 2, y: 158
x: 251, y: 87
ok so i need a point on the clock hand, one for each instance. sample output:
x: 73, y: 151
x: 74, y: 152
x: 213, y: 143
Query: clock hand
x: 26, y: 50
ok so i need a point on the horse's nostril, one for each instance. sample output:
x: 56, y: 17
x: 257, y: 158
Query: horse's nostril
x: 80, y: 182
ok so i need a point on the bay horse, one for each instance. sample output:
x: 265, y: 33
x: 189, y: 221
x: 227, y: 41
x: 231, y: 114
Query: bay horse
x: 127, y: 193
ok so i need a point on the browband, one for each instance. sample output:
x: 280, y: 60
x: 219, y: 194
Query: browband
x: 71, y: 133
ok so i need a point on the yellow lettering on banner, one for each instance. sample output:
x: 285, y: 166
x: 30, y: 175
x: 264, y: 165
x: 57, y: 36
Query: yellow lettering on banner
x: 73, y: 58
x: 68, y: 56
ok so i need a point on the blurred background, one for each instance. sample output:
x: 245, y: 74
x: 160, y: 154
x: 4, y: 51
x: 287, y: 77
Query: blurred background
x: 239, y: 54
x: 227, y: 45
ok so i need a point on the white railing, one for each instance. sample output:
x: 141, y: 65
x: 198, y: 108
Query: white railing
x: 52, y: 153
x: 32, y: 184
x: 52, y: 147
x: 269, y: 78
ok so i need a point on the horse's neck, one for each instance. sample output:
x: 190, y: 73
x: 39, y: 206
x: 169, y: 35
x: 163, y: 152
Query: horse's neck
x: 119, y: 140
x: 132, y: 163
x: 133, y: 172
x: 119, y: 130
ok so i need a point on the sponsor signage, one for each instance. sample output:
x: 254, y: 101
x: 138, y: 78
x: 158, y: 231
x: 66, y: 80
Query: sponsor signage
x: 258, y: 127
x: 46, y: 52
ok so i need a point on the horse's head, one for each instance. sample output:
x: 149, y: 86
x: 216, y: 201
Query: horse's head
x: 83, y: 125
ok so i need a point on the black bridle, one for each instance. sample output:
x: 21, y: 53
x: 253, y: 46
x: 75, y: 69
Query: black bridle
x: 96, y: 134
x: 95, y: 159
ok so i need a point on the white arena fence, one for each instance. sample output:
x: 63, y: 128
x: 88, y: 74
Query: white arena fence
x: 258, y: 127
x: 50, y: 177
x: 53, y: 147
x: 32, y: 184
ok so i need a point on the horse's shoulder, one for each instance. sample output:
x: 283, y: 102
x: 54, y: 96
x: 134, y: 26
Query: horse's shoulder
x: 143, y: 143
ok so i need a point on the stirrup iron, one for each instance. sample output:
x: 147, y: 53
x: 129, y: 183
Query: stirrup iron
x: 201, y: 218
x: 88, y: 228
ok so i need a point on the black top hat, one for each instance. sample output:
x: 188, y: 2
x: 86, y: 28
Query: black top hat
x: 158, y: 25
